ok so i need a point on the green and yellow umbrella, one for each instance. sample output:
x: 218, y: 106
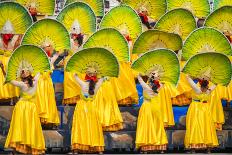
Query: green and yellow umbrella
x: 98, y: 59
x: 155, y: 8
x: 154, y: 39
x: 44, y: 7
x: 96, y: 5
x: 220, y: 19
x: 178, y: 21
x: 80, y: 16
x: 220, y: 3
x: 205, y: 40
x: 14, y: 18
x: 28, y: 57
x: 124, y: 19
x: 112, y: 40
x: 216, y: 66
x: 168, y: 68
x: 48, y: 32
x: 199, y: 8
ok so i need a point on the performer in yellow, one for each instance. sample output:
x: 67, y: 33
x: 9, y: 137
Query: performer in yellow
x: 87, y: 134
x: 25, y: 134
x: 45, y: 95
x: 200, y: 119
x: 87, y: 137
x: 125, y: 95
x: 200, y: 128
x: 150, y: 134
x: 155, y: 113
x: 43, y: 34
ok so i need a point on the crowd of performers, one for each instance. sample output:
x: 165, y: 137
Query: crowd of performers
x: 97, y: 91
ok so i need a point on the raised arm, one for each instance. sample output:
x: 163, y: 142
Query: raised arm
x: 98, y: 84
x: 17, y: 83
x: 140, y: 79
x: 79, y: 81
x: 53, y: 58
x: 193, y: 85
x: 36, y: 78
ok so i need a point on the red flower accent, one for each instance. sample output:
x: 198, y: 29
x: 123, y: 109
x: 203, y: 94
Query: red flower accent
x: 156, y: 82
x: 6, y: 38
x: 89, y: 78
x: 128, y: 38
x: 145, y: 18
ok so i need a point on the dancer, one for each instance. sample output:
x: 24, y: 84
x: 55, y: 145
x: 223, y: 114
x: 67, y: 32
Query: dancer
x: 25, y: 134
x: 200, y: 123
x: 152, y: 119
x: 200, y: 128
x: 87, y: 134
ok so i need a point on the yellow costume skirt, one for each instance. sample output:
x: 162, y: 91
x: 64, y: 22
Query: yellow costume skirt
x: 124, y: 86
x: 200, y: 128
x: 45, y: 100
x: 87, y: 134
x: 184, y: 89
x: 150, y: 134
x: 107, y: 107
x: 25, y: 134
x: 72, y: 90
x: 166, y: 93
x: 216, y: 108
x: 7, y: 91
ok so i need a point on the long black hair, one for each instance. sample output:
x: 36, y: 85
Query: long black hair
x: 29, y: 79
x: 92, y: 85
x: 154, y: 87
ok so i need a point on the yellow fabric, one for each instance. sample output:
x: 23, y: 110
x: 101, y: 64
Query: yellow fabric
x: 229, y: 87
x: 8, y: 90
x: 200, y: 128
x: 183, y: 88
x: 216, y: 106
x: 86, y: 127
x: 71, y: 88
x: 229, y: 91
x: 150, y: 126
x: 124, y: 86
x: 107, y: 108
x: 25, y: 133
x: 45, y: 100
x: 165, y: 94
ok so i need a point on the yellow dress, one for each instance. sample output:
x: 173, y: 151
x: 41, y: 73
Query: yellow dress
x: 229, y: 87
x: 150, y: 134
x: 45, y: 100
x: 25, y: 133
x: 184, y: 89
x: 166, y: 93
x: 72, y: 90
x: 87, y: 134
x: 7, y: 91
x: 124, y: 86
x: 107, y: 107
x: 216, y: 107
x: 200, y: 128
